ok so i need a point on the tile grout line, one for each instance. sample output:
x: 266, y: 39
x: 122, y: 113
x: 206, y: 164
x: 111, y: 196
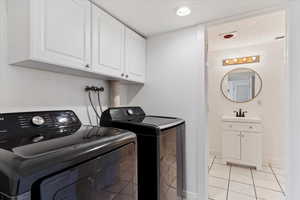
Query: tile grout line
x: 211, y: 164
x: 282, y: 190
x: 266, y: 188
x: 227, y: 194
x: 255, y: 193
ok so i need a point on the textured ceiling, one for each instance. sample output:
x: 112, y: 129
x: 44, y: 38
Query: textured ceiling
x: 151, y: 17
x: 250, y: 31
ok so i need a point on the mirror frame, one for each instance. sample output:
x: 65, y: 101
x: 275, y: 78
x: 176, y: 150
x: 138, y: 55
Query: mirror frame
x: 241, y: 68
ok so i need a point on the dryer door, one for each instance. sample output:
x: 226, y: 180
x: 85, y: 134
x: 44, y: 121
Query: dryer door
x: 111, y: 176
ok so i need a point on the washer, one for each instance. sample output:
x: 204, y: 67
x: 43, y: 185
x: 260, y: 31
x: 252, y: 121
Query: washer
x: 51, y: 155
x: 160, y: 151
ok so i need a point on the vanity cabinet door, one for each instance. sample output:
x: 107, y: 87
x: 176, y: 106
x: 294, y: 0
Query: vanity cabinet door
x: 232, y: 145
x: 251, y: 148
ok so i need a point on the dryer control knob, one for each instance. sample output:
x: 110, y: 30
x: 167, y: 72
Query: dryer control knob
x: 38, y: 120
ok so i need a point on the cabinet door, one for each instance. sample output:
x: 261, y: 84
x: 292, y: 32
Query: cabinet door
x: 108, y: 44
x: 231, y: 145
x: 251, y: 147
x: 135, y: 56
x: 61, y: 32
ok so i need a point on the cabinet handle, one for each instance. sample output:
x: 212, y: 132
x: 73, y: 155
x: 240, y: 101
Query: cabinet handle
x: 122, y: 74
x: 126, y: 76
x: 87, y: 66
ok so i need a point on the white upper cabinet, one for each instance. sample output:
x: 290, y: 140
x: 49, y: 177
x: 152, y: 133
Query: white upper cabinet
x: 76, y: 37
x: 107, y: 44
x: 57, y: 32
x: 135, y: 57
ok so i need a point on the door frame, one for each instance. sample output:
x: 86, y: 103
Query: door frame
x: 287, y: 67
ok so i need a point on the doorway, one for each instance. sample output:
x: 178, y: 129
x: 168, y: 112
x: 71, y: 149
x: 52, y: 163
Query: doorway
x: 246, y: 105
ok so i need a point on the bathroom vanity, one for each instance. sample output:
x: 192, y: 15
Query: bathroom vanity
x: 242, y: 141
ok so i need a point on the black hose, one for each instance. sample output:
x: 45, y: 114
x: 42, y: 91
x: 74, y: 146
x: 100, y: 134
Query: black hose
x: 94, y: 108
x: 99, y: 101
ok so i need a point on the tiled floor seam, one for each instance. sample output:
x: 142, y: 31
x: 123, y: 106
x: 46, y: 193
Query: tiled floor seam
x: 229, y: 177
x: 240, y: 182
x: 255, y: 193
x: 266, y: 188
x: 274, y: 174
x: 219, y: 177
x: 211, y: 164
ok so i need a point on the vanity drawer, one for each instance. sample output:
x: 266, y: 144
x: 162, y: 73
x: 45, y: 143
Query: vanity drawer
x: 247, y: 127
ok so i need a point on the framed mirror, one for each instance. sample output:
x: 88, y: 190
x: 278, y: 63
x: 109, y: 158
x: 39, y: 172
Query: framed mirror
x: 241, y: 85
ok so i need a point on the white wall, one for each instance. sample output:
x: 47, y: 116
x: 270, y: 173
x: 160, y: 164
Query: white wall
x: 176, y: 87
x: 294, y: 95
x: 269, y: 105
x: 24, y: 89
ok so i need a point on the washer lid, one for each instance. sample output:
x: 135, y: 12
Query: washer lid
x: 84, y: 136
x: 159, y: 121
x: 135, y: 119
x: 32, y: 134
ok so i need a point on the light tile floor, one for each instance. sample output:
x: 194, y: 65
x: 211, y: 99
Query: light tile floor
x: 226, y: 182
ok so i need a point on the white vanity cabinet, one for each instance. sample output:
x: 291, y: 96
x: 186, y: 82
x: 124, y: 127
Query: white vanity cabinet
x: 242, y: 141
x: 50, y: 33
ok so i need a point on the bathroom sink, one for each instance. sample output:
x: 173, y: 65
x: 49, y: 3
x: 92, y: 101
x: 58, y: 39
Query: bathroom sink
x: 241, y: 119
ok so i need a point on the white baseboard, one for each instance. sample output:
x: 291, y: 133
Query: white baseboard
x: 274, y: 161
x: 191, y: 196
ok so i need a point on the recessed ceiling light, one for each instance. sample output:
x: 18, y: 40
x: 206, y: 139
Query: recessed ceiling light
x: 183, y: 11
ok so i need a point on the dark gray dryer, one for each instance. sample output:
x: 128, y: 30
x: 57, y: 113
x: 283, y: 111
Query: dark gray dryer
x: 160, y: 150
x: 51, y: 155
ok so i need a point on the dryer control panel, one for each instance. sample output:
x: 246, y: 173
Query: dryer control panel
x: 122, y: 114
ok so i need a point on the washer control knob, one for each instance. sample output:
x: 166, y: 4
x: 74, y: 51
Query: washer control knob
x: 38, y: 120
x: 130, y: 112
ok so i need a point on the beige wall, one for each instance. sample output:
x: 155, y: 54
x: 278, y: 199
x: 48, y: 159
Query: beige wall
x: 269, y: 105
